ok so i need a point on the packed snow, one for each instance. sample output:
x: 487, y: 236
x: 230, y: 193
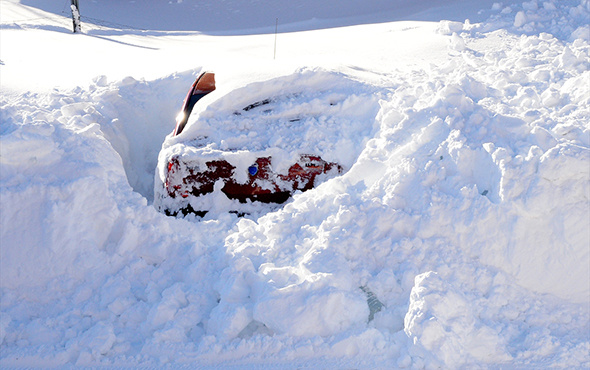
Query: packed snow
x: 457, y: 236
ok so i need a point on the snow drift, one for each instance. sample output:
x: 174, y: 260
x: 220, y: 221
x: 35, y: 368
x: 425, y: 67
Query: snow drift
x: 464, y: 211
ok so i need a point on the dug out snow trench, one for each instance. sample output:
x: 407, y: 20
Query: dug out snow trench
x: 135, y: 117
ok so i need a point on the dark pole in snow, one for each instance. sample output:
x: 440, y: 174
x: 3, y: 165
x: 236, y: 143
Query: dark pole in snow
x: 76, y: 16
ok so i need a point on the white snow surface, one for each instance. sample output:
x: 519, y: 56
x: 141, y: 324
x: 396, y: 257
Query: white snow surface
x: 464, y: 207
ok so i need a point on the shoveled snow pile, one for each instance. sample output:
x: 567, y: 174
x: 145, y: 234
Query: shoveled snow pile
x: 459, y: 235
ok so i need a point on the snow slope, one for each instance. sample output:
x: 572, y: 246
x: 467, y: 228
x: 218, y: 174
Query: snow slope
x: 257, y: 16
x: 464, y: 209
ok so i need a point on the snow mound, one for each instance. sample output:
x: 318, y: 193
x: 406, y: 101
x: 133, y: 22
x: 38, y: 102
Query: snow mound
x: 566, y: 20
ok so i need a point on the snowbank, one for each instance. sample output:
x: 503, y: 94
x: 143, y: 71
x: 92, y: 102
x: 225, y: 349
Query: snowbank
x: 464, y: 211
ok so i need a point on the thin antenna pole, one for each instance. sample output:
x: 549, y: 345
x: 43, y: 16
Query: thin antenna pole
x: 276, y: 29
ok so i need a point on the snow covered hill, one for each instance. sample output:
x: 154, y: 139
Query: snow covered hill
x: 458, y: 236
x: 259, y: 16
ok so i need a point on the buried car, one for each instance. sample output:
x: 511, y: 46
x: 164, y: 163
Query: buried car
x: 251, y: 148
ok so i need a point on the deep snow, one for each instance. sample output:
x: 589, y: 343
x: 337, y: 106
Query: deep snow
x: 464, y: 207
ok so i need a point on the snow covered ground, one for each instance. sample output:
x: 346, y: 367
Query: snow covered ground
x: 464, y: 209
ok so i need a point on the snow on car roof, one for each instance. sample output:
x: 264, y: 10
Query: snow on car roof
x: 314, y: 112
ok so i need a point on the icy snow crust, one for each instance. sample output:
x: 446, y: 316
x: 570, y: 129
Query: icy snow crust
x: 465, y: 210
